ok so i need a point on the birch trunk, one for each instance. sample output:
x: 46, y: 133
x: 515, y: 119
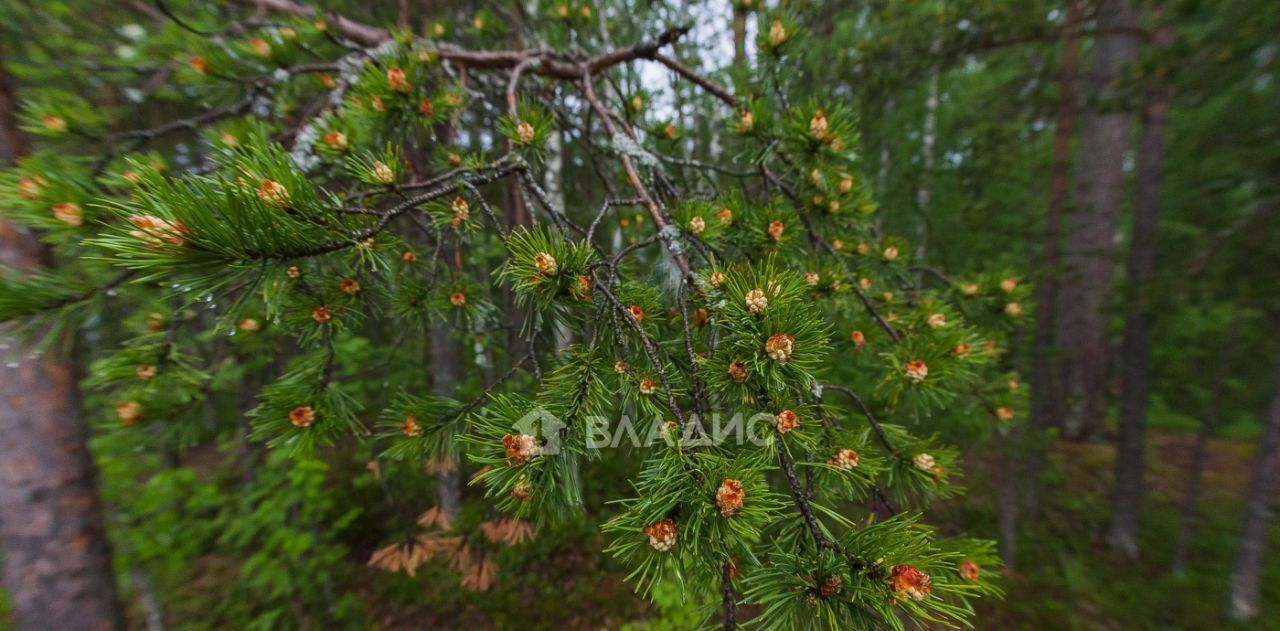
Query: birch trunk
x: 1246, y: 577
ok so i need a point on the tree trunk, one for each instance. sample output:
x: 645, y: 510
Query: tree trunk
x: 446, y: 377
x: 739, y: 37
x: 1046, y: 391
x: 57, y: 562
x: 1007, y: 502
x: 928, y: 148
x: 1246, y: 577
x: 1191, y: 492
x: 1135, y: 349
x: 882, y: 170
x: 553, y: 177
x: 1091, y: 225
x: 12, y: 144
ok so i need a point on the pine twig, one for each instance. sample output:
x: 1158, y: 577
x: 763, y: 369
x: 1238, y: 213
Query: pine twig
x: 729, y: 599
x: 866, y: 411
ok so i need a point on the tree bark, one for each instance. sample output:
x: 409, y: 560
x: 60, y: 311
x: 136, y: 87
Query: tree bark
x: 446, y: 376
x: 739, y: 37
x: 1246, y: 577
x: 1007, y: 503
x: 928, y: 149
x: 12, y: 144
x: 57, y: 562
x: 553, y: 176
x: 1135, y: 349
x: 882, y: 170
x: 1091, y: 225
x: 1046, y: 389
x: 1191, y: 492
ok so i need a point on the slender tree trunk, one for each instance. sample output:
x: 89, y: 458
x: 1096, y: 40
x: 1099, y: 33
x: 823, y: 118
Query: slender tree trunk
x: 928, y: 149
x: 553, y: 177
x: 12, y: 144
x: 152, y: 610
x: 57, y: 562
x: 1007, y: 503
x: 553, y: 182
x: 1046, y: 391
x: 446, y: 357
x: 402, y: 15
x: 1246, y: 577
x: 1191, y: 492
x: 739, y: 37
x: 882, y: 170
x: 1091, y: 224
x: 446, y: 377
x: 1135, y: 349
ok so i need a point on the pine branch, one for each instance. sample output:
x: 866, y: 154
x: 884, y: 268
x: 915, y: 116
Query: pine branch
x: 717, y: 90
x: 866, y: 411
x: 729, y: 599
x: 650, y: 350
x: 830, y: 249
x: 112, y: 283
x: 802, y: 501
x: 609, y: 203
x: 934, y: 272
x: 494, y: 172
x: 655, y: 212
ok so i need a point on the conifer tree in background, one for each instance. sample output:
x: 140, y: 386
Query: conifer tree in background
x: 334, y: 210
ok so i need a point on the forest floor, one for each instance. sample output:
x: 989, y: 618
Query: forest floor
x: 1066, y: 578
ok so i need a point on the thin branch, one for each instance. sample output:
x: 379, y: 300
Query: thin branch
x: 513, y: 85
x: 482, y: 177
x: 802, y: 501
x: 717, y: 90
x: 932, y: 272
x: 655, y: 212
x: 650, y: 349
x: 817, y: 238
x: 595, y: 223
x: 491, y: 387
x: 729, y: 600
x: 358, y: 32
x: 179, y: 21
x: 89, y: 293
x: 866, y: 411
x: 484, y: 206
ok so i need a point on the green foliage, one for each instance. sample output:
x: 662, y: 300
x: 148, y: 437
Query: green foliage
x: 422, y: 427
x: 303, y: 410
x: 415, y: 272
x: 528, y: 478
x: 704, y: 531
x: 545, y: 268
x: 268, y: 546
